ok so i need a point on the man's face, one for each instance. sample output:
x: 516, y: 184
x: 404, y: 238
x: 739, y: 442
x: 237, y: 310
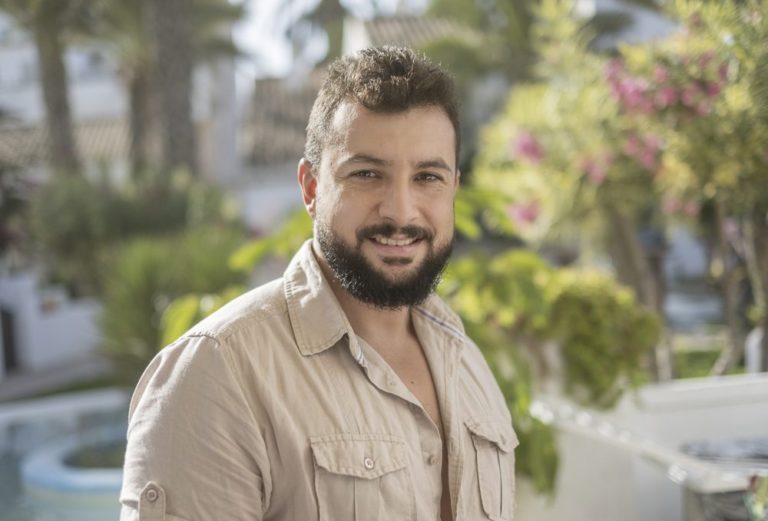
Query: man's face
x: 382, y: 201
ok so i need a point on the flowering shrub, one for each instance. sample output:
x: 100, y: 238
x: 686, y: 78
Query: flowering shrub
x: 673, y: 130
x: 677, y: 88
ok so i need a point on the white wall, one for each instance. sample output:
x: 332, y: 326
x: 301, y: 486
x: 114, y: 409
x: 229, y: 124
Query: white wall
x: 620, y: 465
x: 48, y: 336
x: 268, y: 195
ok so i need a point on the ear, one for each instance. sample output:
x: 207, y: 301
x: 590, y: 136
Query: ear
x: 457, y: 180
x: 308, y: 184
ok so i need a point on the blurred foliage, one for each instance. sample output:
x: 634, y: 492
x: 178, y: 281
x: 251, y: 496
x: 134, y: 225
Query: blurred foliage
x: 14, y: 201
x: 601, y: 332
x: 184, y: 312
x: 604, y: 336
x: 757, y: 498
x: 145, y: 277
x: 612, y: 149
x: 497, y: 38
x: 77, y: 222
x: 283, y: 244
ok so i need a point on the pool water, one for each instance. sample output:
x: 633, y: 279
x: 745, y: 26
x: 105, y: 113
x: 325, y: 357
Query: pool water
x: 21, y: 443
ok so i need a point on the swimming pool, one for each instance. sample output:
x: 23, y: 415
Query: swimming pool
x: 36, y: 439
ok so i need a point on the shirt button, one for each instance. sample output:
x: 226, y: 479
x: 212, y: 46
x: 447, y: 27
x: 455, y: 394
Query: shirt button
x: 432, y: 460
x: 151, y: 495
x: 368, y: 462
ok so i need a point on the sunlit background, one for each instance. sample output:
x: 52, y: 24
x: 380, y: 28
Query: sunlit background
x: 612, y: 255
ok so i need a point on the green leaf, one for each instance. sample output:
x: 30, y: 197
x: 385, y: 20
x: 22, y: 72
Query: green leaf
x: 180, y: 315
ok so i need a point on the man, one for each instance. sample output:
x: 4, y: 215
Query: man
x: 346, y: 390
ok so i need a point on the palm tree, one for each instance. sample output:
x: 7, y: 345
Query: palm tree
x: 49, y: 22
x: 170, y: 29
x: 326, y: 15
x: 157, y: 43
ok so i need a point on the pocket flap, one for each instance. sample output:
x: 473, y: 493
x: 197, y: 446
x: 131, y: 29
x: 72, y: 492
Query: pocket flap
x: 495, y: 430
x: 366, y: 456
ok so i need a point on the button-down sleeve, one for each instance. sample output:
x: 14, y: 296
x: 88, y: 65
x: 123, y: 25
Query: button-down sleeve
x: 193, y: 441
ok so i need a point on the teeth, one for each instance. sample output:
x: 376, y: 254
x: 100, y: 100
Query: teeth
x: 393, y: 242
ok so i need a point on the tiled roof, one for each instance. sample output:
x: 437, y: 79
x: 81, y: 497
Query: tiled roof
x: 25, y: 145
x: 413, y: 31
x: 274, y: 133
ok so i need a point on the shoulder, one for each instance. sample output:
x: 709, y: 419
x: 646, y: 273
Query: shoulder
x: 258, y: 308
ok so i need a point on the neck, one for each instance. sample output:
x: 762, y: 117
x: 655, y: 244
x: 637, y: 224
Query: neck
x: 367, y: 321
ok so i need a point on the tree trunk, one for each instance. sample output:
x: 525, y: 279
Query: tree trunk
x: 146, y: 154
x: 634, y: 269
x: 759, y: 241
x: 170, y: 26
x: 61, y: 142
x: 729, y: 288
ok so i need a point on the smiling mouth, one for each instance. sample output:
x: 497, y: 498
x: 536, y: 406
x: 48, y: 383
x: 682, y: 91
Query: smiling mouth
x: 388, y: 241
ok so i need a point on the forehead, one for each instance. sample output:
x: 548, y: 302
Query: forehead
x: 415, y: 134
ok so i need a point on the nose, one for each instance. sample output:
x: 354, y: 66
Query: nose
x: 398, y: 204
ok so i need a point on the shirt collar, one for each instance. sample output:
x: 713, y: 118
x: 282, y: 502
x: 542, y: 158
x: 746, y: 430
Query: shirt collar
x: 319, y: 322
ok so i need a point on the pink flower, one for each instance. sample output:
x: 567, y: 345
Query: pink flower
x: 526, y: 146
x: 647, y: 158
x: 653, y: 142
x: 666, y: 97
x: 595, y: 170
x: 713, y: 89
x: 633, y: 94
x: 524, y: 214
x: 690, y: 94
x: 704, y: 108
x: 722, y: 71
x: 661, y: 74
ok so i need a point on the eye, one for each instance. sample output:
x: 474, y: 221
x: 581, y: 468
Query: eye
x: 365, y: 174
x: 428, y: 177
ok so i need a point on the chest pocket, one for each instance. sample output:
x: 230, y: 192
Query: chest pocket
x: 362, y: 477
x: 494, y: 441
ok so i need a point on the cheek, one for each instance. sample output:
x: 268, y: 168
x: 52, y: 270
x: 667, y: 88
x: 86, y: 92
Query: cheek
x: 341, y: 211
x: 441, y: 214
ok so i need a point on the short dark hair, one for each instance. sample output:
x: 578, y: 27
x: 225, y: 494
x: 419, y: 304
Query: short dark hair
x: 381, y: 79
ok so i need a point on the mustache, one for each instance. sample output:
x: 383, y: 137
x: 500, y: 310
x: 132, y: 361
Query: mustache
x: 389, y: 229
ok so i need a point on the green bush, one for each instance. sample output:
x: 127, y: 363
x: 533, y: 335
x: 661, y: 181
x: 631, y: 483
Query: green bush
x: 13, y: 205
x: 77, y: 221
x: 604, y: 335
x: 146, y: 276
x: 68, y: 222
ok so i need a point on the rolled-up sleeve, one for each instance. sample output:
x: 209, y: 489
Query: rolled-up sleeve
x: 195, y: 450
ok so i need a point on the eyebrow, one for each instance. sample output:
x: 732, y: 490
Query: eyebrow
x: 365, y: 158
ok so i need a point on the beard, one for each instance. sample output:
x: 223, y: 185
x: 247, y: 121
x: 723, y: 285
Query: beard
x: 367, y: 284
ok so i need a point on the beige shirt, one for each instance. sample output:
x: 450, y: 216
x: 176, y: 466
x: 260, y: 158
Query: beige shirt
x: 273, y: 409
